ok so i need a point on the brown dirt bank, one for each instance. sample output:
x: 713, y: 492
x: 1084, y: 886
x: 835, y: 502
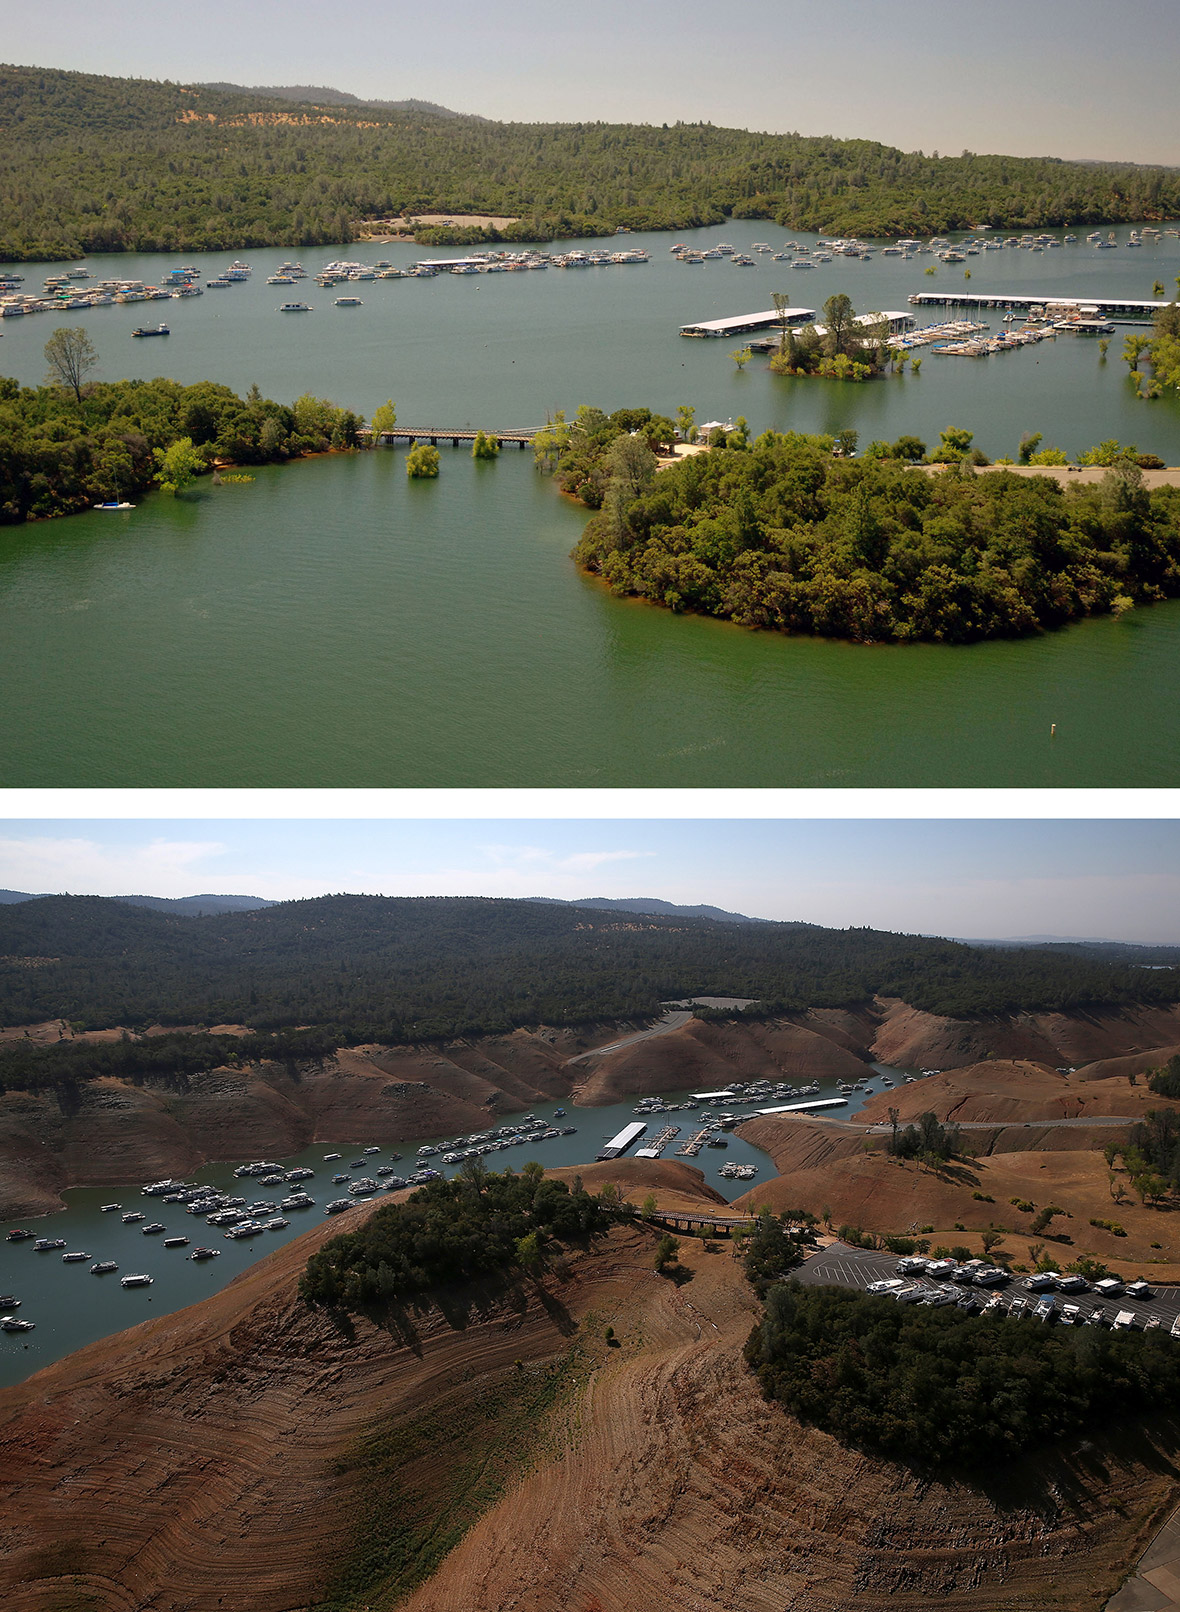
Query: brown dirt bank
x: 202, y: 1461
x: 704, y: 1055
x: 673, y: 1184
x: 1010, y: 1091
x: 916, y: 1039
x: 108, y: 1132
x: 826, y: 1166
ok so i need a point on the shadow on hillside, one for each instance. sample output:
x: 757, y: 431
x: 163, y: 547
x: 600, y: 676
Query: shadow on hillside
x: 1067, y: 1478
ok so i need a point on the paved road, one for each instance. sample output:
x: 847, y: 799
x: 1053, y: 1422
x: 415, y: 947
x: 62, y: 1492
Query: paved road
x: 883, y: 1128
x: 842, y: 1266
x: 670, y: 1021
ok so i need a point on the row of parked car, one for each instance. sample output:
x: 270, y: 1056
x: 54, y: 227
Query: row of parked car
x: 1040, y: 1306
x: 979, y: 1272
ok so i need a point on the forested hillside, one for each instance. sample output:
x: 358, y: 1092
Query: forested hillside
x: 93, y: 164
x: 398, y: 969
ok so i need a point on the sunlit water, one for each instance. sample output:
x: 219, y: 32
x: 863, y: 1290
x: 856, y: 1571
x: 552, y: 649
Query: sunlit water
x: 334, y: 624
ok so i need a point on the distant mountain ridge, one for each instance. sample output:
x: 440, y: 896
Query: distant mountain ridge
x: 324, y: 95
x: 663, y: 909
x: 184, y: 906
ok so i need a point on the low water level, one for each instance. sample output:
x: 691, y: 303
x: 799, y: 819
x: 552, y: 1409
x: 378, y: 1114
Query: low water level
x: 333, y: 624
x: 70, y: 1307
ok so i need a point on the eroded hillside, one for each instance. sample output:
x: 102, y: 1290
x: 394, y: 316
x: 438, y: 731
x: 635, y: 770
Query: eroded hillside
x: 250, y: 1452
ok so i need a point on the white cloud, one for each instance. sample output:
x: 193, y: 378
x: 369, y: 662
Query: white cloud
x: 43, y: 865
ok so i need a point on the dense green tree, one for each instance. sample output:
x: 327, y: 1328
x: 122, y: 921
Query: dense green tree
x: 783, y: 533
x: 422, y: 461
x: 179, y: 465
x: 373, y: 969
x: 60, y: 452
x: 942, y: 1389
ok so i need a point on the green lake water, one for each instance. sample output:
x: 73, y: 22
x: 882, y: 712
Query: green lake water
x: 332, y: 624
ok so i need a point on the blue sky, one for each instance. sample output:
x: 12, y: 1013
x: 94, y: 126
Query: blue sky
x: 1075, y: 78
x: 1116, y: 879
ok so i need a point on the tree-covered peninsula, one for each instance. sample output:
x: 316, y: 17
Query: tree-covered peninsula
x: 94, y: 164
x: 67, y: 446
x: 788, y: 533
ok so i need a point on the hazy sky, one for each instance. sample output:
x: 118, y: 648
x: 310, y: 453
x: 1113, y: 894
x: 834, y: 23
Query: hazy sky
x: 1117, y: 880
x: 1072, y: 78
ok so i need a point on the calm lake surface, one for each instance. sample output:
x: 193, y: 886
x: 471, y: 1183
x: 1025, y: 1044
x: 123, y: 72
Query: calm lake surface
x: 70, y: 1307
x: 334, y: 624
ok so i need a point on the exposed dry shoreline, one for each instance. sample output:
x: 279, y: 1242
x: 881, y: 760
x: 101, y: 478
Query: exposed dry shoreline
x: 216, y: 1447
x: 109, y: 1132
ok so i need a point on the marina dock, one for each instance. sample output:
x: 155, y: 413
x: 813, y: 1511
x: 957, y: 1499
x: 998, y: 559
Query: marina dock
x: 656, y: 1146
x: 620, y: 1143
x: 805, y: 1108
x: 1086, y: 307
x: 740, y: 324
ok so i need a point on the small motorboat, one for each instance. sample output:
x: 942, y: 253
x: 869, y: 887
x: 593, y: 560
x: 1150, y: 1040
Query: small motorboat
x: 204, y: 1253
x: 9, y: 1301
x: 113, y: 503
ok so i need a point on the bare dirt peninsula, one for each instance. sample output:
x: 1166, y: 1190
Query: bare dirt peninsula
x: 253, y: 1453
x: 1038, y: 1138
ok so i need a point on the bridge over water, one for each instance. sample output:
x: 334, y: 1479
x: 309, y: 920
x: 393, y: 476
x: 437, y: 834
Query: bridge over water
x: 434, y: 434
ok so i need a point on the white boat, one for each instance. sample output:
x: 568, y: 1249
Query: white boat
x: 296, y: 307
x: 113, y: 504
x: 103, y: 1267
x: 349, y: 302
x: 11, y: 1324
x: 135, y: 1281
x: 73, y: 1259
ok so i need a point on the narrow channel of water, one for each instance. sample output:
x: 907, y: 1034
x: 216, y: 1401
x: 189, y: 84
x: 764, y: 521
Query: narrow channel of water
x: 70, y: 1307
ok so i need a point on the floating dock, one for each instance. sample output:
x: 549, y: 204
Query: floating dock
x: 805, y: 1108
x: 694, y: 1144
x: 655, y: 1147
x: 740, y: 323
x: 620, y: 1143
x: 1088, y: 307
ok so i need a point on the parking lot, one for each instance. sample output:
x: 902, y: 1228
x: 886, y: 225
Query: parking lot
x: 843, y: 1266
